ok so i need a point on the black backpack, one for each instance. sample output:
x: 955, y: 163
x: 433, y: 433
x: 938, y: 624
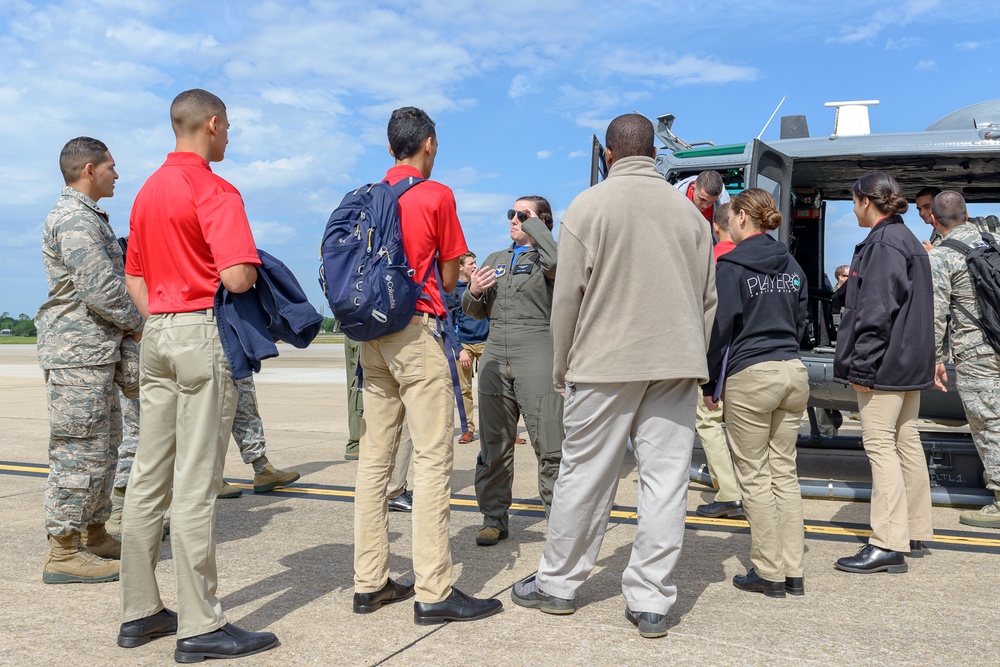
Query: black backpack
x: 983, y: 260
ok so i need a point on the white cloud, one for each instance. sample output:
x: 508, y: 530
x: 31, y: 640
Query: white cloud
x: 543, y: 155
x: 903, y: 14
x: 576, y: 155
x: 272, y: 233
x: 971, y: 46
x: 925, y: 66
x: 685, y: 70
x: 520, y: 86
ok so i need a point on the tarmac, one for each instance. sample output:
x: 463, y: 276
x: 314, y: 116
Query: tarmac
x: 286, y: 564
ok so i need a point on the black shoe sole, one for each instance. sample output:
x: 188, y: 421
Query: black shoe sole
x: 133, y: 642
x: 727, y: 514
x: 645, y: 634
x: 891, y: 569
x: 435, y: 620
x: 186, y: 657
x: 541, y: 605
x: 369, y: 608
x: 767, y: 593
x: 795, y: 591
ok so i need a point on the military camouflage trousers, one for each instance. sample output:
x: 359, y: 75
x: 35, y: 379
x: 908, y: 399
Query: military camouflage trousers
x: 248, y: 430
x: 127, y: 380
x: 85, y: 430
x: 981, y: 400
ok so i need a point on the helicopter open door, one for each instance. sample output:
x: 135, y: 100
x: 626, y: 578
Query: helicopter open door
x: 771, y: 170
x: 598, y: 164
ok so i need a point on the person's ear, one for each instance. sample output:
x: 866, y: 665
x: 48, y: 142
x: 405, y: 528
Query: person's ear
x: 389, y: 146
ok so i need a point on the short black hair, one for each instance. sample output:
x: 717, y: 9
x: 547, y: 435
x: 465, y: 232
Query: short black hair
x: 78, y: 153
x: 192, y: 109
x: 630, y: 135
x: 949, y: 209
x: 409, y: 128
x: 929, y: 190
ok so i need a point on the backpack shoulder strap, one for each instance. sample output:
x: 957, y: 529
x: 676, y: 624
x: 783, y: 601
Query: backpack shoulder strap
x: 400, y: 188
x: 955, y: 244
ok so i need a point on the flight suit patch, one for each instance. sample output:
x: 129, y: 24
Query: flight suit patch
x: 521, y: 269
x: 500, y: 270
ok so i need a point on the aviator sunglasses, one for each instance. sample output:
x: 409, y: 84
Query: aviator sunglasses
x: 521, y: 215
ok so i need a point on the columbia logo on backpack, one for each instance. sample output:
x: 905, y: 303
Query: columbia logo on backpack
x: 364, y: 272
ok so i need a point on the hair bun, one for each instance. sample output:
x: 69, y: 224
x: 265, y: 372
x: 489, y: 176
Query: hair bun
x: 770, y: 218
x: 897, y: 203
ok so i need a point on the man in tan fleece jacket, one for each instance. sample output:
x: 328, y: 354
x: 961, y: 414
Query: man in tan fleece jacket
x: 635, y: 256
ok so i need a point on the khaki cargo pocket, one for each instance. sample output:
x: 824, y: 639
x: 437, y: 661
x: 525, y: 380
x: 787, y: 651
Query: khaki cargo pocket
x: 193, y: 363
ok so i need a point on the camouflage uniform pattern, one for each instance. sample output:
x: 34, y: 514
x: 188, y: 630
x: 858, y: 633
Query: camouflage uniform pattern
x: 127, y: 380
x: 989, y: 223
x: 80, y: 330
x: 355, y: 401
x: 977, y: 365
x: 88, y: 308
x: 248, y: 429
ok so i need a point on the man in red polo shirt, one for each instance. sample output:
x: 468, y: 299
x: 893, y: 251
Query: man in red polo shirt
x: 406, y: 374
x: 189, y: 232
x: 706, y: 191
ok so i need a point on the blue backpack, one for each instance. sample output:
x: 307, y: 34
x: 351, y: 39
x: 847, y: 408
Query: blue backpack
x: 364, y: 273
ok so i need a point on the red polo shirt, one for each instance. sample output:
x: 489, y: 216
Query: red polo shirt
x: 431, y: 231
x: 707, y: 212
x: 187, y: 224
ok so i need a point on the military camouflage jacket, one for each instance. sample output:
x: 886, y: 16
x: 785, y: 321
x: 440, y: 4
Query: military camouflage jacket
x: 952, y: 284
x: 989, y: 223
x: 88, y: 310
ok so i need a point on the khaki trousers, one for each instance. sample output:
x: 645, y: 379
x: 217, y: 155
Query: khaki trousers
x: 901, y: 488
x: 708, y: 425
x: 600, y: 418
x: 764, y: 406
x: 406, y: 376
x: 475, y: 351
x: 187, y: 402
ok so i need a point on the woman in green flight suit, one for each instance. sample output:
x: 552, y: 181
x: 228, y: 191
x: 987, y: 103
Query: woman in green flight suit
x: 513, y: 289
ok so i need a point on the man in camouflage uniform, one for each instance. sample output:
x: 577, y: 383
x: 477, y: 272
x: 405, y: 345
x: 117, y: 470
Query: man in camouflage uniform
x: 925, y: 202
x: 80, y: 331
x: 977, y: 364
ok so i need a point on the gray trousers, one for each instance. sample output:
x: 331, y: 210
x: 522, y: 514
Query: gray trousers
x: 600, y: 418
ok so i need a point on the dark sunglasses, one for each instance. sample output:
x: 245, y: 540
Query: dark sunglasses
x: 521, y: 215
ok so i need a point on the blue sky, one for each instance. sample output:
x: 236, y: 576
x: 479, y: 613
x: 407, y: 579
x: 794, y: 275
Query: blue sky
x: 516, y: 88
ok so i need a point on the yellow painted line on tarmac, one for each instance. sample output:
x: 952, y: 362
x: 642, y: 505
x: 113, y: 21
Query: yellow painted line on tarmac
x: 694, y: 521
x: 13, y: 468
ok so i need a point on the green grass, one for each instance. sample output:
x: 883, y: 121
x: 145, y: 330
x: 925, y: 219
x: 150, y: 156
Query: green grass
x: 17, y: 340
x: 324, y: 338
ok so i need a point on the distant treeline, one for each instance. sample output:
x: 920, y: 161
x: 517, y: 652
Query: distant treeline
x: 22, y: 326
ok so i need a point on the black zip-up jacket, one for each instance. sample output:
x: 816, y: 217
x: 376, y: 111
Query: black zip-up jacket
x: 886, y: 335
x: 762, y: 307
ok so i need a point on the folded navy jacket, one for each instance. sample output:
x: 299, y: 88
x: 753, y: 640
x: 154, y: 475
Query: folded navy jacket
x: 275, y: 308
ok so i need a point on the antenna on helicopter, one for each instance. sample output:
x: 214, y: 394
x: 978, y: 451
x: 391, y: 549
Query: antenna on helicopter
x: 852, y: 118
x: 772, y: 116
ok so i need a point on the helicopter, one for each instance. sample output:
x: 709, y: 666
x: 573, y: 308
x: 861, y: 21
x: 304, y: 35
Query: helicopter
x: 960, y: 151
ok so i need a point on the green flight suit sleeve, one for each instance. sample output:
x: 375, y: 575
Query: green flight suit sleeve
x: 545, y: 244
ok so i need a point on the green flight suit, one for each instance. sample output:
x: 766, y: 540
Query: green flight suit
x: 355, y: 404
x: 515, y: 373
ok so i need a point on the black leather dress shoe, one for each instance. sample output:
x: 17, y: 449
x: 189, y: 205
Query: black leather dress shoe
x: 402, y: 503
x: 366, y: 603
x: 917, y: 549
x: 873, y: 559
x: 650, y: 625
x: 795, y: 586
x: 226, y: 642
x: 753, y: 583
x: 733, y: 508
x: 456, y: 607
x: 144, y: 630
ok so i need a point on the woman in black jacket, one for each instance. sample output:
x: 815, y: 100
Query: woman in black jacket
x: 760, y: 319
x: 885, y: 351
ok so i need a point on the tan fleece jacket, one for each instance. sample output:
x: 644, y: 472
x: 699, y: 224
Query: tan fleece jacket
x: 634, y: 296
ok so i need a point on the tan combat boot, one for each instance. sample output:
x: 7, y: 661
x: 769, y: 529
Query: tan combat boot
x: 114, y: 522
x: 270, y: 478
x: 97, y: 541
x: 68, y: 563
x: 987, y: 517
